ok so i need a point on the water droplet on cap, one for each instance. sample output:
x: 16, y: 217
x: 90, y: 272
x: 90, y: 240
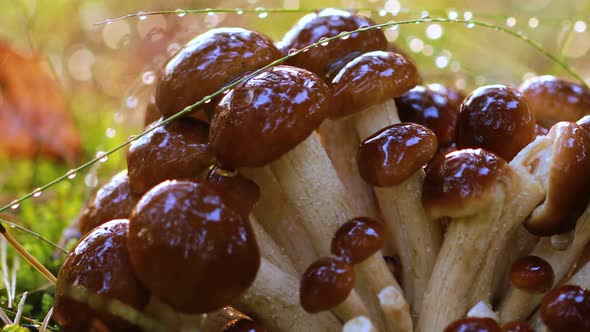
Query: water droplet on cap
x: 180, y: 13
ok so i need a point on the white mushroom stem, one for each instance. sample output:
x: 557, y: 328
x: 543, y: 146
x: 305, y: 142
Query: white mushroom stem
x: 270, y: 250
x: 359, y: 324
x: 482, y: 310
x: 273, y: 299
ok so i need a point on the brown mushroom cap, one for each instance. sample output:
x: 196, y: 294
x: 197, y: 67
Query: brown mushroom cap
x: 568, y: 184
x: 243, y: 325
x: 177, y: 150
x: 325, y: 284
x: 372, y: 78
x: 209, y: 62
x: 329, y: 23
x: 152, y: 114
x: 532, y: 274
x: 357, y: 239
x: 100, y: 264
x: 429, y: 108
x: 496, y: 118
x: 566, y: 309
x: 462, y: 183
x: 243, y: 193
x: 585, y: 124
x: 190, y: 248
x: 517, y: 326
x: 473, y: 324
x: 267, y: 115
x: 553, y: 99
x: 540, y: 130
x: 391, y: 155
x: 114, y: 200
x: 454, y: 95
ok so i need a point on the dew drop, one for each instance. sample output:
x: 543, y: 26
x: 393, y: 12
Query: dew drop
x: 71, y: 174
x: 324, y: 41
x: 142, y: 16
x: 453, y: 15
x: 292, y: 51
x: 469, y: 25
x: 14, y: 205
x: 363, y: 28
x: 102, y: 156
x: 344, y: 35
x: 207, y: 101
x: 37, y: 192
x: 180, y: 13
x: 425, y: 17
x: 132, y: 102
x: 239, y: 11
x: 107, y: 22
x: 132, y: 137
x: 262, y: 13
x: 148, y: 78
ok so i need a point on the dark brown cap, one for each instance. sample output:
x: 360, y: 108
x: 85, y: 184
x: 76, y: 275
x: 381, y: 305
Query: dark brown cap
x: 114, y: 200
x: 357, y: 239
x: 325, y: 284
x: 566, y: 309
x: 152, y: 114
x: 454, y: 95
x: 324, y: 24
x: 473, y: 324
x: 462, y: 183
x: 584, y: 122
x: 209, y: 62
x: 372, y: 78
x: 242, y: 193
x: 267, y: 115
x: 100, y: 264
x: 496, y: 118
x: 567, y: 184
x: 177, y: 150
x: 553, y: 99
x: 517, y: 326
x: 243, y: 325
x: 391, y: 155
x: 429, y: 108
x: 532, y: 274
x: 190, y: 248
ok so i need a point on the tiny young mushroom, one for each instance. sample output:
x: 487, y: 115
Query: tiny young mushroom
x: 532, y: 274
x: 359, y: 324
x: 473, y: 324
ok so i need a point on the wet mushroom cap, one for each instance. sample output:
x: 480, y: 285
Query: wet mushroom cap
x: 324, y: 24
x: 325, y: 284
x: 553, y: 99
x: 517, y: 326
x: 496, y: 118
x: 190, y: 248
x: 372, y: 78
x: 243, y: 325
x: 267, y: 115
x: 473, y: 324
x: 357, y: 239
x: 532, y: 274
x: 566, y: 308
x: 209, y: 62
x: 393, y: 154
x: 584, y: 122
x: 176, y: 150
x: 100, y: 264
x: 242, y: 192
x: 454, y: 95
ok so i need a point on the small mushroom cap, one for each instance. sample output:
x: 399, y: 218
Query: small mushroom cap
x: 567, y: 183
x: 357, y: 239
x: 496, y: 118
x: 114, y: 200
x: 517, y: 326
x: 372, y: 78
x: 190, y: 248
x: 553, y: 99
x: 100, y: 264
x: 242, y: 192
x: 177, y: 150
x: 209, y: 62
x: 532, y: 274
x: 454, y: 95
x: 325, y: 284
x: 243, y: 325
x: 463, y: 183
x: 566, y: 309
x: 267, y: 115
x: 429, y: 108
x: 329, y: 23
x: 473, y: 324
x: 391, y: 155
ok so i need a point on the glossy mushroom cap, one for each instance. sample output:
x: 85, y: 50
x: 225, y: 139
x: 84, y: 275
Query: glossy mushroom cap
x: 429, y: 108
x: 100, y: 264
x: 532, y: 274
x: 391, y: 155
x: 177, y: 150
x: 473, y: 324
x: 553, y: 99
x: 243, y: 193
x: 540, y: 130
x: 584, y: 122
x: 190, y: 248
x: 357, y: 239
x: 243, y: 325
x: 496, y: 118
x: 567, y: 182
x: 329, y: 23
x: 114, y: 200
x: 266, y: 116
x: 209, y: 62
x: 152, y: 114
x: 454, y: 95
x: 463, y: 183
x: 372, y: 78
x: 517, y: 326
x: 325, y: 284
x: 566, y: 309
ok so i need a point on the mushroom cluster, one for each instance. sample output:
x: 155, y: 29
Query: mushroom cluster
x: 283, y: 204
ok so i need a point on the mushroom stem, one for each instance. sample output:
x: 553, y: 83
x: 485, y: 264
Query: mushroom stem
x: 273, y: 298
x: 359, y: 324
x: 375, y: 118
x: 270, y: 250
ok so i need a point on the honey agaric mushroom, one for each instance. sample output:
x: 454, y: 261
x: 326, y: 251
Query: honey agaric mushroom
x: 553, y: 99
x: 100, y: 264
x: 391, y: 160
x: 114, y: 200
x: 496, y: 118
x: 207, y: 63
x: 566, y: 308
x: 177, y: 150
x: 485, y: 201
x: 532, y: 274
x: 473, y: 324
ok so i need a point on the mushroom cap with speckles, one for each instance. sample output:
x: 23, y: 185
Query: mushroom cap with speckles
x: 566, y: 309
x: 357, y: 239
x: 325, y: 284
